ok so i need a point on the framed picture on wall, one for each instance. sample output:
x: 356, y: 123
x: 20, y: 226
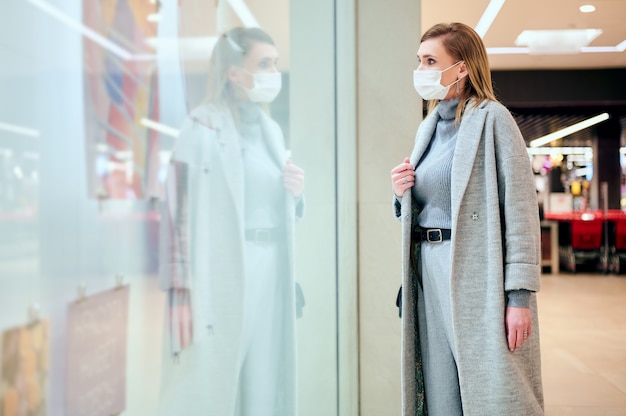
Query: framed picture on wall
x: 121, y: 98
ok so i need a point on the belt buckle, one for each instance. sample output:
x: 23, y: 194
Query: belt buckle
x: 437, y: 232
x: 262, y: 236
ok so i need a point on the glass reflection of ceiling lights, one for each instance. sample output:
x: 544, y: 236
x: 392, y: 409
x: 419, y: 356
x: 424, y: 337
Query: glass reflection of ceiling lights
x: 199, y: 47
x: 242, y: 11
x: 75, y: 25
x: 160, y: 127
x: 24, y: 131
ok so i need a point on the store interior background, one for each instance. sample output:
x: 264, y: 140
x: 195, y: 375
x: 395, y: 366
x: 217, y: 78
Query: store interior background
x: 350, y: 114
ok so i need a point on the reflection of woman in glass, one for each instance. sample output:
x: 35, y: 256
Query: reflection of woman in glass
x: 232, y: 198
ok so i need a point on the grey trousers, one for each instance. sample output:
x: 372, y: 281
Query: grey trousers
x: 216, y: 377
x: 441, y: 381
x: 261, y: 349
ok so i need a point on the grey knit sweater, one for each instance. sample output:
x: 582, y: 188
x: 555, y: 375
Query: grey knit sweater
x: 432, y: 182
x: 263, y: 184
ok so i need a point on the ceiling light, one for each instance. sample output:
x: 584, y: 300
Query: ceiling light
x: 569, y: 130
x: 489, y: 15
x: 596, y: 49
x: 587, y: 8
x: 621, y: 47
x: 556, y: 41
x: 507, y: 50
x: 25, y: 131
x: 559, y: 150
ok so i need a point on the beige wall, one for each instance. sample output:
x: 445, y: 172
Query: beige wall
x: 388, y: 114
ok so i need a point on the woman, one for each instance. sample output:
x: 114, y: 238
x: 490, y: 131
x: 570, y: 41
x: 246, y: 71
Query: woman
x: 232, y: 198
x: 471, y: 243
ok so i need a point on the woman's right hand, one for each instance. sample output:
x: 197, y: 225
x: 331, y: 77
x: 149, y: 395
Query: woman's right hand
x: 402, y: 177
x: 180, y: 319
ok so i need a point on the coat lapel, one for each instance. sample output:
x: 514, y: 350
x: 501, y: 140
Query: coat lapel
x: 230, y: 153
x: 231, y: 160
x: 424, y: 134
x: 468, y: 138
x: 272, y: 135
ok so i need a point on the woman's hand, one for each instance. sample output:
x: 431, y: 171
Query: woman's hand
x: 293, y: 179
x: 402, y: 177
x: 180, y: 319
x: 518, y: 323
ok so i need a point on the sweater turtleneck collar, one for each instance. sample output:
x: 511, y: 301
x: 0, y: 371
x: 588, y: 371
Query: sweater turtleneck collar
x: 447, y: 108
x: 249, y: 112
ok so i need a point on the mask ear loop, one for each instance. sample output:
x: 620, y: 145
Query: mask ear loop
x: 234, y: 45
x: 458, y: 80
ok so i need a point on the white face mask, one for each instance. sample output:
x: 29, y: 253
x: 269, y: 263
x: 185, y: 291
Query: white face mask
x: 427, y: 83
x: 266, y: 87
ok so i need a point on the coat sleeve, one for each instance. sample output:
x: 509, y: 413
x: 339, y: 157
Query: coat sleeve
x: 175, y: 271
x: 397, y: 207
x: 518, y: 205
x: 174, y: 267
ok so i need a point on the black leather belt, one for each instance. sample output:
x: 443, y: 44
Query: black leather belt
x: 434, y: 235
x: 263, y: 235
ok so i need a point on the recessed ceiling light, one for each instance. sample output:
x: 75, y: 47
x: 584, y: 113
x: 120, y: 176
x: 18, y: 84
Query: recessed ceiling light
x: 587, y: 8
x: 621, y: 47
x: 556, y: 41
x: 557, y: 150
x: 492, y: 10
x: 569, y: 130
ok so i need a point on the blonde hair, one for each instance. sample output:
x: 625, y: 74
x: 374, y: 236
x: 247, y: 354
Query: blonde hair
x: 230, y: 50
x: 464, y: 44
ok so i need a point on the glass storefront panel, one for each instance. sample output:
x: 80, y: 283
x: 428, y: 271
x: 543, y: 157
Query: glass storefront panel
x: 157, y: 254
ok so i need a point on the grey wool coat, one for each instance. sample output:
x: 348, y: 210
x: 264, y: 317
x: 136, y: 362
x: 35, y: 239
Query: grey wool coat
x: 495, y: 247
x: 202, y: 249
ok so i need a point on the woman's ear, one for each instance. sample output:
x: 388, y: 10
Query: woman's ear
x: 462, y: 69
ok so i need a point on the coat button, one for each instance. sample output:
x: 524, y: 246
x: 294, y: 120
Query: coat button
x: 475, y: 216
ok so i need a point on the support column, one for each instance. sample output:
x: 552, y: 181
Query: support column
x: 389, y: 111
x: 606, y: 163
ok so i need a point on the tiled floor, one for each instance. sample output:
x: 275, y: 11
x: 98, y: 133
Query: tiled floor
x: 582, y: 320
